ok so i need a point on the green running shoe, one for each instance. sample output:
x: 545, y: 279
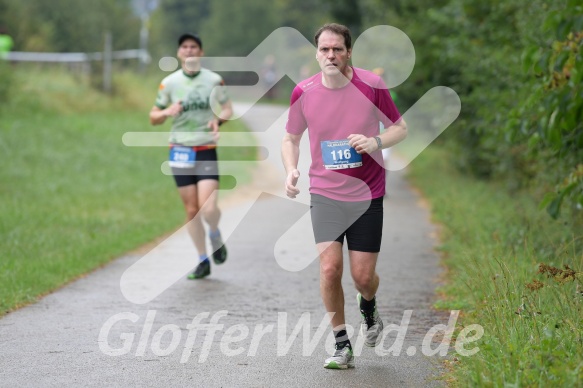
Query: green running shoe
x: 342, y: 359
x: 203, y: 269
x: 219, y: 250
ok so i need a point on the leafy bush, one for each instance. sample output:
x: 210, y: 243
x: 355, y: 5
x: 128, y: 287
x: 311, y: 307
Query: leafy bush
x: 550, y: 121
x: 6, y: 82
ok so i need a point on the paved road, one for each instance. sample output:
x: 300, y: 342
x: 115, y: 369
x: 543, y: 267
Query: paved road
x: 123, y: 325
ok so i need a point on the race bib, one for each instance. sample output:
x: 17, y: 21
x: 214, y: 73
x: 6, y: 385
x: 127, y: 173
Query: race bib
x: 337, y: 155
x: 182, y: 157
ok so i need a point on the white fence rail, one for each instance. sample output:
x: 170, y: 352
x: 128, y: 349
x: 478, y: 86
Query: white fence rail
x: 107, y: 56
x: 16, y: 56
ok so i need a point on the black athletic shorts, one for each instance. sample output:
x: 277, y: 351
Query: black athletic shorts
x: 361, y: 222
x: 206, y: 167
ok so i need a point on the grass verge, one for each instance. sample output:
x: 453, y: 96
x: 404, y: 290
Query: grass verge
x: 73, y: 197
x: 512, y: 270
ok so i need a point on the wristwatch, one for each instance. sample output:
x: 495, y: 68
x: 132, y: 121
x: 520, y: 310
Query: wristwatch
x: 379, y: 143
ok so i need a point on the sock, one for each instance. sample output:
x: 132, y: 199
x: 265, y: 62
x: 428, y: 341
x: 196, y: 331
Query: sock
x: 214, y: 233
x: 342, y: 339
x: 203, y: 257
x: 367, y: 306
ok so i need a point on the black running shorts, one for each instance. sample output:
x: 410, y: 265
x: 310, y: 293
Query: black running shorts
x: 361, y: 222
x: 206, y: 167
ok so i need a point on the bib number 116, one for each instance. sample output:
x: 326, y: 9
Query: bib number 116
x: 342, y: 154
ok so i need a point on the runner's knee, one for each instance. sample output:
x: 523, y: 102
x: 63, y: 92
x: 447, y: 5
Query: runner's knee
x: 363, y: 281
x: 191, y: 212
x: 330, y: 271
x: 209, y: 211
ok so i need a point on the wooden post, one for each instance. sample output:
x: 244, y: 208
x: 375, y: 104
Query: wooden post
x: 143, y: 41
x: 107, y: 63
x: 86, y: 71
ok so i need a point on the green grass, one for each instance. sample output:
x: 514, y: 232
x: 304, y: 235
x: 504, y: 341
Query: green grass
x: 73, y: 197
x: 492, y: 245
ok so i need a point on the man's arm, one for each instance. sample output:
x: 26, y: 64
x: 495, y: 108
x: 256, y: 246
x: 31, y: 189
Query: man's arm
x: 290, y: 155
x: 220, y: 94
x: 393, y: 134
x: 223, y: 116
x: 159, y: 116
x: 226, y: 112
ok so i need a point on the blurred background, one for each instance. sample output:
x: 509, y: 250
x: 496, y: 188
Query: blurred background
x: 505, y: 180
x: 516, y: 64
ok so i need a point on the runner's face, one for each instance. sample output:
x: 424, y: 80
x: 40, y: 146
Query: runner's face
x: 332, y: 54
x: 190, y: 50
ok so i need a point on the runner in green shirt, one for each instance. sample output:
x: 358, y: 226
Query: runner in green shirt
x: 188, y: 96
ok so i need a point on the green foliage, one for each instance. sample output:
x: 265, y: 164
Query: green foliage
x: 73, y: 196
x: 347, y: 12
x: 520, y: 86
x: 6, y: 82
x: 550, y: 120
x: 517, y: 67
x: 70, y: 26
x: 171, y: 19
x: 511, y: 271
x: 303, y: 15
x: 236, y: 28
x: 231, y: 28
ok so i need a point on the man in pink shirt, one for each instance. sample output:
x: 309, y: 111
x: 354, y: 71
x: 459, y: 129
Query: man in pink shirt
x: 341, y: 107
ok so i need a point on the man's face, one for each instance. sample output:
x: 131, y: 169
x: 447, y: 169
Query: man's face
x: 332, y: 54
x: 191, y: 51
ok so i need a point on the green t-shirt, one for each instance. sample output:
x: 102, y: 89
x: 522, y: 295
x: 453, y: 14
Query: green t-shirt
x: 198, y: 94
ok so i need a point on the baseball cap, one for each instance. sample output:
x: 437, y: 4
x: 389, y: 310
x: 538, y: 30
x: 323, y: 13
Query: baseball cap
x: 189, y: 35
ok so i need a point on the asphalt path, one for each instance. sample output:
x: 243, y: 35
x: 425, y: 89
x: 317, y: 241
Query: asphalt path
x: 257, y: 321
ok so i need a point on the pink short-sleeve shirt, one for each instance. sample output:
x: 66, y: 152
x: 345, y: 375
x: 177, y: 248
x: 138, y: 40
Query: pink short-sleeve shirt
x: 333, y: 114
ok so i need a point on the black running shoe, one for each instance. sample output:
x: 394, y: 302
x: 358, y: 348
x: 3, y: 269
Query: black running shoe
x: 219, y: 250
x: 203, y: 269
x: 372, y: 325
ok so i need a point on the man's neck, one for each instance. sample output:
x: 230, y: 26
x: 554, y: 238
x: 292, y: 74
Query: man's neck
x: 191, y: 69
x: 337, y: 81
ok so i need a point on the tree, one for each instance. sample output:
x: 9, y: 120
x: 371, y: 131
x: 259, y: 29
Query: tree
x: 175, y: 17
x: 550, y: 120
x: 236, y: 28
x: 347, y: 12
x: 69, y: 26
x: 303, y: 15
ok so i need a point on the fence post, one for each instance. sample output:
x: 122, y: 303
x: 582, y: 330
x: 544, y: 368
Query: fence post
x: 107, y: 63
x: 144, y: 41
x: 86, y: 69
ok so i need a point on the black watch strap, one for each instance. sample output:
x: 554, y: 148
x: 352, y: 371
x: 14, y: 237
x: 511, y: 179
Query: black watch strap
x: 379, y: 143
